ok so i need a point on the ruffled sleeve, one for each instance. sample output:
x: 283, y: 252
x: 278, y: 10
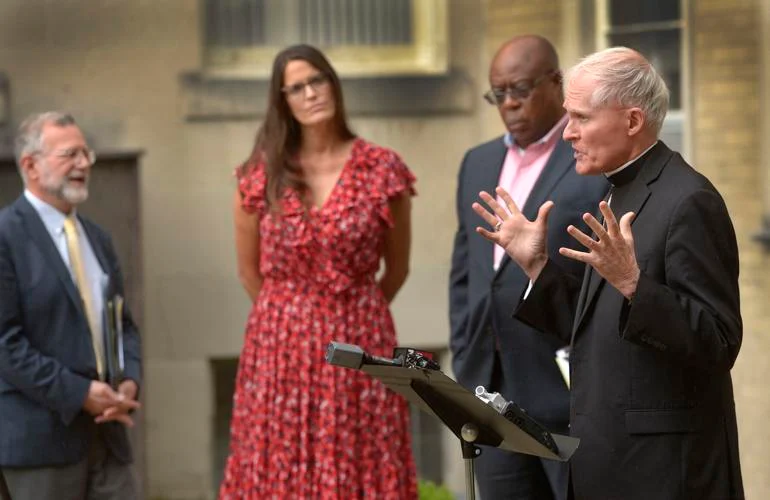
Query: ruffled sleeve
x: 396, y: 180
x: 252, y: 183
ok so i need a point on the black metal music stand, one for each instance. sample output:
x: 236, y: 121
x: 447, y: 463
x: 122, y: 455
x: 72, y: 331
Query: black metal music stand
x: 472, y: 420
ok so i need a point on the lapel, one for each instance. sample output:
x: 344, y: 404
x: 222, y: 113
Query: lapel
x: 558, y: 165
x: 624, y: 199
x: 581, y: 308
x: 488, y: 179
x: 42, y: 240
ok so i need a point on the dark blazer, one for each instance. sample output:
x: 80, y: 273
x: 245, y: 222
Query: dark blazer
x: 480, y: 299
x: 652, y: 399
x: 46, y: 355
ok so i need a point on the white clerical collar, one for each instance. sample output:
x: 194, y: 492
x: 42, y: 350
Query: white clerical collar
x: 626, y: 165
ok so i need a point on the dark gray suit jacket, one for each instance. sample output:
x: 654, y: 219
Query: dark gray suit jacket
x: 46, y: 355
x: 652, y: 397
x: 481, y: 300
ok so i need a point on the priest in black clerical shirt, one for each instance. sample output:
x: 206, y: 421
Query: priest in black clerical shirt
x: 655, y: 324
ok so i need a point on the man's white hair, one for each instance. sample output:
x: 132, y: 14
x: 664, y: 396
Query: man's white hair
x: 623, y: 77
x: 29, y: 138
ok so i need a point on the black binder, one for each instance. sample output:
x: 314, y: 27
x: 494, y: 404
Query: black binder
x: 113, y: 340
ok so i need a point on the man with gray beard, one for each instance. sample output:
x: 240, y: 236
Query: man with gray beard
x: 62, y: 425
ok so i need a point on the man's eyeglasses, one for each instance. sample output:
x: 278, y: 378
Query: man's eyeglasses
x: 297, y: 90
x: 72, y: 154
x: 519, y: 90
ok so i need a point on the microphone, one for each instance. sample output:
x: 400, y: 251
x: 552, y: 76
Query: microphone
x: 352, y: 356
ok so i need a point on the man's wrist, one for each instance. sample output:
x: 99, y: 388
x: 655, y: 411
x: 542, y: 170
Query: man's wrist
x: 629, y: 291
x: 536, y: 267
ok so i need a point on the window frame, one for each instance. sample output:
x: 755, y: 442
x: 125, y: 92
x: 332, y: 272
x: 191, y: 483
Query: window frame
x: 427, y: 55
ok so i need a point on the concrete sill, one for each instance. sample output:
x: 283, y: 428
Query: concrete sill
x: 207, y: 99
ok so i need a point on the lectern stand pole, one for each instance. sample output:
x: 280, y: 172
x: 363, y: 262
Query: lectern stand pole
x: 469, y: 434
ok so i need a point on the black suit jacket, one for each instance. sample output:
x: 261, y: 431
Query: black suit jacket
x: 46, y: 356
x: 480, y: 299
x: 652, y: 399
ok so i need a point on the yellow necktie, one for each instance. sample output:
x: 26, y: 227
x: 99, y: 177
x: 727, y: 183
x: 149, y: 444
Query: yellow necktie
x: 76, y: 262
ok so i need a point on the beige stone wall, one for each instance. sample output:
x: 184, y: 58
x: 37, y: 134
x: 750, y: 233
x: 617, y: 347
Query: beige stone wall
x: 507, y: 18
x: 726, y: 65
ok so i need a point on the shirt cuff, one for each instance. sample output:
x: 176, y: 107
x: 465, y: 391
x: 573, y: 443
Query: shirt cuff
x: 529, y: 289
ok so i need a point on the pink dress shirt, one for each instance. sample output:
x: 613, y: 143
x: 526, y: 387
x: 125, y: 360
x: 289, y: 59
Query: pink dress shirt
x: 522, y: 168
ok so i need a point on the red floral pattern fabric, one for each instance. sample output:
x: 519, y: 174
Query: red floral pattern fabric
x: 302, y: 428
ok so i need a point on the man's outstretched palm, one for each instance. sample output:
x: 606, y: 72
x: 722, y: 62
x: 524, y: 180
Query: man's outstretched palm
x: 524, y: 241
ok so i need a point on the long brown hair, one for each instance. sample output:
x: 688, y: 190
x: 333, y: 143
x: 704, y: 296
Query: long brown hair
x: 280, y: 136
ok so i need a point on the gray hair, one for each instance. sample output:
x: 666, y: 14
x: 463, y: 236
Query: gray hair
x: 29, y: 138
x: 625, y: 78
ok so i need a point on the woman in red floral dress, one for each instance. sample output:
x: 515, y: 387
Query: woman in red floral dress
x: 316, y: 211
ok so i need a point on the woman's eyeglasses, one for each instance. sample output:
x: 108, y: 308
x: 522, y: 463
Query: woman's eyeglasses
x: 297, y: 90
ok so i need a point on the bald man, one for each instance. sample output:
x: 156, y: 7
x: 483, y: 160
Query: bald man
x: 489, y: 347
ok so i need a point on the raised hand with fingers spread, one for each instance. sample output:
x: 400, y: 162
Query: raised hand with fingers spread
x: 523, y: 240
x: 612, y: 254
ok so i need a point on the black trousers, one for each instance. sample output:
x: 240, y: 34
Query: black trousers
x: 503, y: 475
